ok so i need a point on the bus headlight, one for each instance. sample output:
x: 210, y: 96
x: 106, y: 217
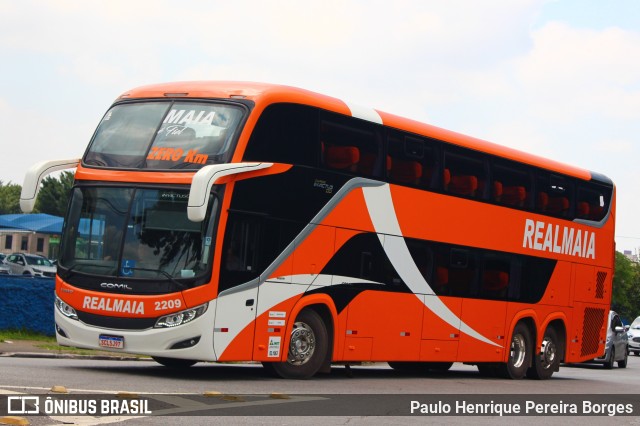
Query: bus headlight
x: 65, y: 309
x: 181, y: 317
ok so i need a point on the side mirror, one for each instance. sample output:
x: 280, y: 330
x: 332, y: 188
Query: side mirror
x: 618, y: 329
x: 626, y: 328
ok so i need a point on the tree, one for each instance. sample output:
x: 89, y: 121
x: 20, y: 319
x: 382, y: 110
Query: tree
x: 54, y: 195
x: 10, y: 198
x: 625, y: 299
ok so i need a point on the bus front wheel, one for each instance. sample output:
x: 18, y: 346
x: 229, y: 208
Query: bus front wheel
x: 308, y: 346
x: 520, y: 351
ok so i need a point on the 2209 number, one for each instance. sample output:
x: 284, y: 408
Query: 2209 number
x: 163, y: 305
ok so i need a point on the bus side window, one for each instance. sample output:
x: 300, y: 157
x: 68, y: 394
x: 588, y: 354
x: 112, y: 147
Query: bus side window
x: 496, y: 276
x: 554, y: 195
x: 240, y: 254
x: 468, y: 176
x: 285, y: 133
x: 350, y: 145
x: 512, y: 185
x: 462, y: 272
x: 591, y: 202
x: 411, y: 160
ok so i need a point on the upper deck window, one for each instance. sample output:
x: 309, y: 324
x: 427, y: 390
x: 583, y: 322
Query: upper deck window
x: 164, y: 135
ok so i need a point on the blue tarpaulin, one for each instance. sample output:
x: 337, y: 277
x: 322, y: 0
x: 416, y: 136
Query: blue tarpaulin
x: 37, y: 222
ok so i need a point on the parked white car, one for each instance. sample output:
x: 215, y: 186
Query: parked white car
x: 634, y: 337
x: 30, y: 264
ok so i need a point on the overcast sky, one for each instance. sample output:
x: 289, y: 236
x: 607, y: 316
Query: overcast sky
x: 559, y: 79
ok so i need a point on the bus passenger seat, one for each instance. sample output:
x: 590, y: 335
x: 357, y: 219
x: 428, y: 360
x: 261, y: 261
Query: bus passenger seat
x: 446, y: 178
x: 543, y: 201
x: 441, y: 285
x: 342, y: 157
x: 464, y: 185
x: 494, y: 280
x: 406, y: 171
x: 495, y: 284
x: 367, y: 163
x: 583, y: 210
x: 514, y: 195
x: 558, y: 205
x: 596, y: 212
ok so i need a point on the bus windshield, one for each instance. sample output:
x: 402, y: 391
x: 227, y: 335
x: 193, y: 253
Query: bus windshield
x: 164, y: 135
x: 136, y: 233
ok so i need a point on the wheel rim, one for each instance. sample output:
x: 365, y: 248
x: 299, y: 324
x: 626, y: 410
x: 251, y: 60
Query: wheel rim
x: 548, y: 353
x: 302, y: 344
x: 518, y: 350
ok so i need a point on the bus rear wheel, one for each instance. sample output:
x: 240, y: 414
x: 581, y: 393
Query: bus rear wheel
x: 548, y: 360
x: 308, y: 346
x: 520, y: 351
x: 174, y: 362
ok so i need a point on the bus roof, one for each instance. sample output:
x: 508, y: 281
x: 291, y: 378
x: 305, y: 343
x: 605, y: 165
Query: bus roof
x: 263, y: 94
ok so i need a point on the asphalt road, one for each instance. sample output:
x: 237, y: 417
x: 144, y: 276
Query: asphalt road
x: 247, y: 394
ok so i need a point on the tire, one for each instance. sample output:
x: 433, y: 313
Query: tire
x: 174, y: 362
x: 612, y: 356
x: 548, y: 360
x: 520, y: 353
x: 623, y: 362
x: 308, y: 348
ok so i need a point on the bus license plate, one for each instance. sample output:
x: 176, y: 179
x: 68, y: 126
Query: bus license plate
x: 111, y: 342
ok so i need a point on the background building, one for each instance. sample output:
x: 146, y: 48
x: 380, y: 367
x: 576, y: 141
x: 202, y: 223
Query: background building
x: 30, y: 233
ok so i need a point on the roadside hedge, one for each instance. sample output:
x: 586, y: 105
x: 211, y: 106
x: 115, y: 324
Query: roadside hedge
x: 27, y: 303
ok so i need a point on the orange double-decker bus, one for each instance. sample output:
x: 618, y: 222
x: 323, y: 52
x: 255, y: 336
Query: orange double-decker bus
x: 221, y: 221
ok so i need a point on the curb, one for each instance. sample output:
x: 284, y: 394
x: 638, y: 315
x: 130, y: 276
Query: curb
x: 70, y: 356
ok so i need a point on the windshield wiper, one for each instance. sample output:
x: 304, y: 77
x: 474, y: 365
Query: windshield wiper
x: 70, y: 270
x: 160, y: 272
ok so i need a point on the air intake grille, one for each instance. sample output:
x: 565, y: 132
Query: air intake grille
x: 593, y: 321
x: 600, y: 284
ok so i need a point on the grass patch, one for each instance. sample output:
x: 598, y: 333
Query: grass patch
x: 25, y: 335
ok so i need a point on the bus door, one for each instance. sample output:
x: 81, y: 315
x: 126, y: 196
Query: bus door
x: 238, y: 289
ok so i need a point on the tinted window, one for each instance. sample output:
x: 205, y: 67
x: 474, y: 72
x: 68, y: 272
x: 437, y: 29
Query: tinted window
x: 554, y: 195
x: 465, y: 173
x: 285, y: 133
x: 411, y: 160
x: 351, y: 146
x: 592, y: 201
x: 511, y: 185
x: 164, y: 135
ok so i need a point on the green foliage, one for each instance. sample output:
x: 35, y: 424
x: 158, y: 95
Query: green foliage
x: 54, y: 195
x: 626, y: 288
x: 24, y: 335
x: 10, y: 198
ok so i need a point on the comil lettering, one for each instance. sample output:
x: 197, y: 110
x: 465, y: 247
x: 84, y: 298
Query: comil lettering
x: 543, y: 236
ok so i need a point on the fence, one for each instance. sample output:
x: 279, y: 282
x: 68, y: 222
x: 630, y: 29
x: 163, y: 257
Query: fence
x: 27, y: 303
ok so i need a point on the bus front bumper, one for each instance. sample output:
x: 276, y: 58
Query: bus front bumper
x: 176, y: 342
